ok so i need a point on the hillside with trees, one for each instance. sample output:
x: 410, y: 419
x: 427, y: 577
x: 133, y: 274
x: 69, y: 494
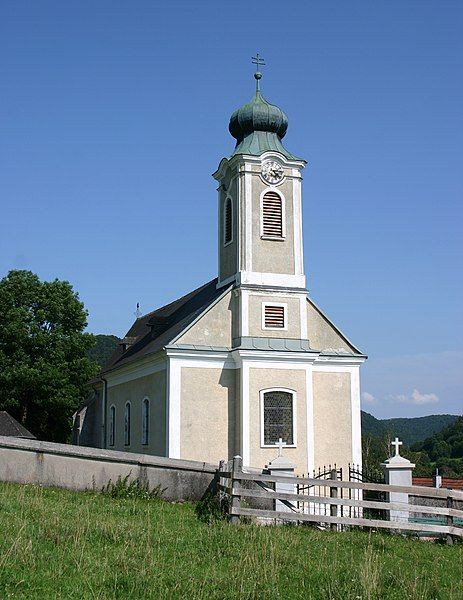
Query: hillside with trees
x: 409, y: 430
x: 442, y: 450
x: 445, y: 449
x: 103, y: 348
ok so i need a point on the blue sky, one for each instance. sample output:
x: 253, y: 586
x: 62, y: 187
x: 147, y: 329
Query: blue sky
x: 114, y: 115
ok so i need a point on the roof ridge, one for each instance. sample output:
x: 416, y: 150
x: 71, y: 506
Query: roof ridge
x: 176, y: 300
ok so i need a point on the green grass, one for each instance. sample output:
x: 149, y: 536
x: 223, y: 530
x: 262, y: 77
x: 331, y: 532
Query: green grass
x: 61, y: 544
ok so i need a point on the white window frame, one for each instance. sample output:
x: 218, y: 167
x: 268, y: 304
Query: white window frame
x: 224, y: 220
x: 285, y: 316
x: 145, y: 402
x: 283, y: 215
x: 129, y: 429
x: 262, y: 432
x: 112, y: 425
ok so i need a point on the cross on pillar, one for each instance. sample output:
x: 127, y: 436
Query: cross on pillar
x: 280, y: 445
x: 396, y: 445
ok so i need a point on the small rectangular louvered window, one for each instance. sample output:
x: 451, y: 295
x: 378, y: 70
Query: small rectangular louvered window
x: 274, y: 316
x: 272, y: 215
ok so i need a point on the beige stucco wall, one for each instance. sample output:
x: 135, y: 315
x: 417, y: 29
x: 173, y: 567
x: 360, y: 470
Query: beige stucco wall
x: 272, y: 256
x: 293, y: 317
x: 214, y: 328
x: 207, y: 426
x: 332, y: 419
x: 261, y: 379
x: 322, y: 334
x: 153, y: 387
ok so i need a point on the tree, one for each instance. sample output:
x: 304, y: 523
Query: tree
x: 44, y: 366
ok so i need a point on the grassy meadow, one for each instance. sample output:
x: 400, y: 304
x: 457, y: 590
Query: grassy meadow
x: 62, y: 544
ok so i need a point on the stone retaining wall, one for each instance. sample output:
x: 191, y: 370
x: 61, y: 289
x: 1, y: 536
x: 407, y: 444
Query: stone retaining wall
x: 81, y: 468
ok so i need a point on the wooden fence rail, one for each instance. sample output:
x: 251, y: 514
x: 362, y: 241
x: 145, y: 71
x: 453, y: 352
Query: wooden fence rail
x: 239, y: 485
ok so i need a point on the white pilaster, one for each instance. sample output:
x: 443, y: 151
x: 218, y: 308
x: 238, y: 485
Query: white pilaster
x: 244, y: 414
x: 174, y: 389
x: 244, y: 300
x: 310, y: 422
x: 303, y: 310
x: 248, y: 220
x: 356, y: 416
x: 297, y: 217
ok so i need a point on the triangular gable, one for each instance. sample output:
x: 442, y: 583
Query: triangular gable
x: 324, y: 335
x: 213, y: 327
x: 154, y: 331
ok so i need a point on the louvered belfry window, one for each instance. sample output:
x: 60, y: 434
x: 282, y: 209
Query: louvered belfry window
x: 278, y: 417
x: 274, y: 317
x: 228, y: 221
x: 272, y: 215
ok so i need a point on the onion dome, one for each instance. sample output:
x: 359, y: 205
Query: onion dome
x: 259, y: 126
x: 258, y: 115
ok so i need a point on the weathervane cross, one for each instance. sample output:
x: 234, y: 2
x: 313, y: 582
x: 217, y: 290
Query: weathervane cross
x: 258, y: 61
x: 396, y: 445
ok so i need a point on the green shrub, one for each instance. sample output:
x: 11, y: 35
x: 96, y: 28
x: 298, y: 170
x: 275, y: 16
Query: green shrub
x: 212, y: 507
x: 132, y: 488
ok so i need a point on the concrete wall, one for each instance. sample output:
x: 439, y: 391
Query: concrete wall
x: 214, y: 328
x: 207, y: 427
x: 152, y: 387
x: 78, y: 468
x: 332, y: 419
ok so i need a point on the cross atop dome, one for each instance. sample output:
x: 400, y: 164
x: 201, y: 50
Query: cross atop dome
x: 259, y: 126
x: 258, y: 61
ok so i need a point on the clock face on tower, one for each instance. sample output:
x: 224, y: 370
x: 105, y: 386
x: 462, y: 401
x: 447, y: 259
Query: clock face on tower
x: 272, y: 172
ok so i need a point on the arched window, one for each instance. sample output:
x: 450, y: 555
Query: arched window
x: 272, y: 215
x: 145, y: 421
x: 278, y: 417
x: 127, y: 424
x: 112, y: 425
x: 228, y: 222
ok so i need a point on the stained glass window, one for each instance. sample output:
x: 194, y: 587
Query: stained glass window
x: 145, y: 418
x: 127, y: 424
x: 112, y: 425
x: 278, y: 417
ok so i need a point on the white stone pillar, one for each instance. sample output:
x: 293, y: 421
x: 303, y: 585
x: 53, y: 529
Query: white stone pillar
x: 282, y: 466
x: 398, y: 471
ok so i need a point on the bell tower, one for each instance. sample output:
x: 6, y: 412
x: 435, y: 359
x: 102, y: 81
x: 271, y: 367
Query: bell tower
x: 260, y: 227
x: 259, y: 201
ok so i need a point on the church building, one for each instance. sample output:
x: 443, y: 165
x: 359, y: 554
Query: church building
x: 247, y: 358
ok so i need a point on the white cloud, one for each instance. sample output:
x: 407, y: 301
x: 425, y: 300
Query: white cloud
x: 416, y: 398
x: 368, y: 398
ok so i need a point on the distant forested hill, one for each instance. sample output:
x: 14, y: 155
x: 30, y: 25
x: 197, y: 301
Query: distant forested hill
x: 103, y: 348
x: 410, y: 431
x: 445, y: 448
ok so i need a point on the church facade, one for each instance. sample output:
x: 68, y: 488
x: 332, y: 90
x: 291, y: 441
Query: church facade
x: 248, y: 358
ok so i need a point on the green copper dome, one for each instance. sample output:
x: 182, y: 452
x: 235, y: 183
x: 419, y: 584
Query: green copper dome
x: 259, y: 127
x: 258, y: 115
